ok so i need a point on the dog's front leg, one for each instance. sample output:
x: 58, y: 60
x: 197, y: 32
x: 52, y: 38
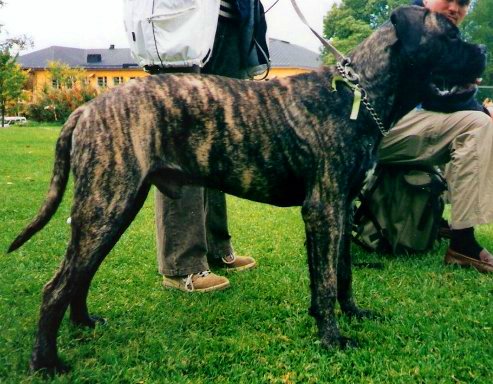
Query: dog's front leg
x: 323, y: 226
x: 344, y: 274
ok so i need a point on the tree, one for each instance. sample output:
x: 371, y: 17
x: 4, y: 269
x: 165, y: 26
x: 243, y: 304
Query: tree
x: 478, y: 28
x: 351, y: 21
x: 12, y: 80
x: 69, y: 90
x: 65, y: 76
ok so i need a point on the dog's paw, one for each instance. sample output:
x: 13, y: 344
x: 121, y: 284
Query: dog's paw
x: 330, y: 337
x: 355, y: 312
x: 350, y: 309
x: 88, y: 321
x: 341, y: 342
x: 48, y: 369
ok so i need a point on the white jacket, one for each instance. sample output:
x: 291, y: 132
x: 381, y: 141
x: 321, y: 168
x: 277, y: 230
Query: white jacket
x: 171, y: 33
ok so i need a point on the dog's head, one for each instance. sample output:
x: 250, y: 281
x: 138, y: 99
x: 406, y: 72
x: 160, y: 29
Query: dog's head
x: 418, y: 54
x: 432, y: 47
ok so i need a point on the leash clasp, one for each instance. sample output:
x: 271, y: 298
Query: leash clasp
x: 349, y: 72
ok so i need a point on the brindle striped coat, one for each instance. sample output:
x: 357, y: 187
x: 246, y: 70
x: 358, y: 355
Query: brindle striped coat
x: 284, y: 142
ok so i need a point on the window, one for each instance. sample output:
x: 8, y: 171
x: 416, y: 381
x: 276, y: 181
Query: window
x: 94, y: 58
x: 66, y: 83
x: 70, y: 82
x: 102, y: 81
x: 117, y: 80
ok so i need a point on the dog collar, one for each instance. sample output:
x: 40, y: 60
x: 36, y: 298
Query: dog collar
x: 356, y: 91
x: 351, y: 79
x: 348, y: 77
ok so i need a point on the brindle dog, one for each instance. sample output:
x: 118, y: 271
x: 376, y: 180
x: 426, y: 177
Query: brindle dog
x: 285, y: 142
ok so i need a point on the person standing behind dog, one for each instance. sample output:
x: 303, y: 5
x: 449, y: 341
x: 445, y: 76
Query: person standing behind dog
x: 448, y: 129
x: 192, y: 231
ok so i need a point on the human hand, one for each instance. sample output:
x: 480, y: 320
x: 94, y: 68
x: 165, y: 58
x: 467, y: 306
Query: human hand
x: 490, y: 110
x: 488, y: 104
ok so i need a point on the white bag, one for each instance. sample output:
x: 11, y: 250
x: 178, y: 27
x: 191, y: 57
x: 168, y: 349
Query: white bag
x: 171, y: 33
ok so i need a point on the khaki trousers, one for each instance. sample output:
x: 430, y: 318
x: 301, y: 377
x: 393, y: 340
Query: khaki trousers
x: 461, y: 140
x: 194, y: 228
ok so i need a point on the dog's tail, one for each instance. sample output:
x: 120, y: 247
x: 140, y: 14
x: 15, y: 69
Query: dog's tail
x: 58, y: 183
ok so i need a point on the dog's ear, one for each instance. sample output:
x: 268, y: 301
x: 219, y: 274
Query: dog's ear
x: 409, y: 26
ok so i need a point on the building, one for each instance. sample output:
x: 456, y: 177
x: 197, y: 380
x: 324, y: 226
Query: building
x: 113, y: 66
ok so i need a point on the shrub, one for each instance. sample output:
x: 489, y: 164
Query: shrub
x: 56, y: 104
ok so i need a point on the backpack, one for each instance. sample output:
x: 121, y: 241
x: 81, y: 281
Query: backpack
x: 171, y: 33
x: 181, y: 33
x: 400, y: 210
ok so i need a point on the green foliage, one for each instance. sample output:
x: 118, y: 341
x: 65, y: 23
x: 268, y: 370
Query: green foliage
x: 344, y: 30
x: 56, y: 104
x: 71, y: 91
x: 478, y: 27
x: 349, y: 22
x: 65, y: 76
x: 435, y: 322
x: 12, y: 80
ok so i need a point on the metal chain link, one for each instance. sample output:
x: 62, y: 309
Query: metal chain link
x: 347, y: 73
x: 344, y: 67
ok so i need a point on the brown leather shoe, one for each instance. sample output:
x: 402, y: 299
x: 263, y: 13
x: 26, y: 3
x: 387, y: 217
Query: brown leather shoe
x: 234, y: 263
x: 205, y: 281
x: 484, y: 264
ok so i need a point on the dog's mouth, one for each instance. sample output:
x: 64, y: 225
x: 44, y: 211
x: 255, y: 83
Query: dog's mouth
x: 446, y: 89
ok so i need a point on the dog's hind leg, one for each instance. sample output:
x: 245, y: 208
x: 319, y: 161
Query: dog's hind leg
x: 56, y: 296
x: 119, y: 222
x: 95, y: 230
x: 323, y: 225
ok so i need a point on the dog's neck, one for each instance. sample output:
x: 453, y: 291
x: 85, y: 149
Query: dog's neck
x: 379, y: 68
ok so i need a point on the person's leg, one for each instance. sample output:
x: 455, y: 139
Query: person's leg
x: 225, y: 61
x: 220, y: 251
x: 218, y: 237
x: 181, y: 237
x: 416, y: 139
x: 470, y: 177
x: 464, y: 140
x: 182, y: 244
x: 470, y: 170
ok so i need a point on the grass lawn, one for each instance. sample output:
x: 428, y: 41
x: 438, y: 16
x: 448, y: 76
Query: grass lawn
x: 436, y: 324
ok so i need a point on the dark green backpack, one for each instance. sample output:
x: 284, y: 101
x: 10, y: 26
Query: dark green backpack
x: 400, y: 210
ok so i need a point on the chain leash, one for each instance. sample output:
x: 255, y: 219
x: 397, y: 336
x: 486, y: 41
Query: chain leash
x: 348, y: 73
x: 350, y: 77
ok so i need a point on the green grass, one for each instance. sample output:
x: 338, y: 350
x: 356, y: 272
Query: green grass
x: 436, y: 324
